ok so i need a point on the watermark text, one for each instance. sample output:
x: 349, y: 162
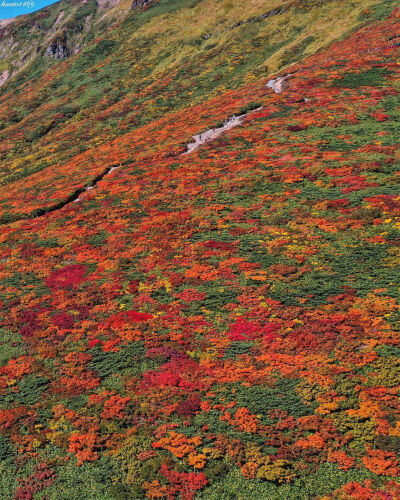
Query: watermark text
x: 28, y: 4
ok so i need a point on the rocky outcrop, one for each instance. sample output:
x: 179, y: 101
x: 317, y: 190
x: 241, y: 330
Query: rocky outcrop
x: 58, y: 49
x: 140, y: 3
x: 4, y: 77
x: 5, y: 22
x: 107, y: 3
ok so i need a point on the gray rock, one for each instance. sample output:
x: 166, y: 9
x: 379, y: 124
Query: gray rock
x: 58, y: 50
x: 140, y: 3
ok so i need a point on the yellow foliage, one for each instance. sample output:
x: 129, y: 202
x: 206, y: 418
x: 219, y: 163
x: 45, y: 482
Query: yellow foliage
x: 279, y: 471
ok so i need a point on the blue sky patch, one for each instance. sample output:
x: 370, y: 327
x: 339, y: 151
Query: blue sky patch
x: 12, y: 8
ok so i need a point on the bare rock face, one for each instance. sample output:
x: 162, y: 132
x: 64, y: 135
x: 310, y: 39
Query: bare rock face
x: 58, y: 50
x: 5, y: 22
x: 140, y: 3
x: 4, y: 77
x: 107, y: 3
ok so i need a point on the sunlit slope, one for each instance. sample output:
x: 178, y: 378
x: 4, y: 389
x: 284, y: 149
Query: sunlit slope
x: 223, y: 324
x: 171, y: 56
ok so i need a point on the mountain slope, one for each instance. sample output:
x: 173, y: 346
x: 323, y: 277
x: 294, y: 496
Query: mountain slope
x: 152, y: 64
x: 54, y: 32
x: 220, y: 324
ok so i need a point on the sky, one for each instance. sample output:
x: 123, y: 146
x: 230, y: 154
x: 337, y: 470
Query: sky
x: 12, y: 8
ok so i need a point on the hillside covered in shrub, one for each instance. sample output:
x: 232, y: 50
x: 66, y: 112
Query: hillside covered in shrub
x: 222, y: 324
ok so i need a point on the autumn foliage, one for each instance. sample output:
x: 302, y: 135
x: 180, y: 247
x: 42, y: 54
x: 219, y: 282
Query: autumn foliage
x: 223, y: 321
